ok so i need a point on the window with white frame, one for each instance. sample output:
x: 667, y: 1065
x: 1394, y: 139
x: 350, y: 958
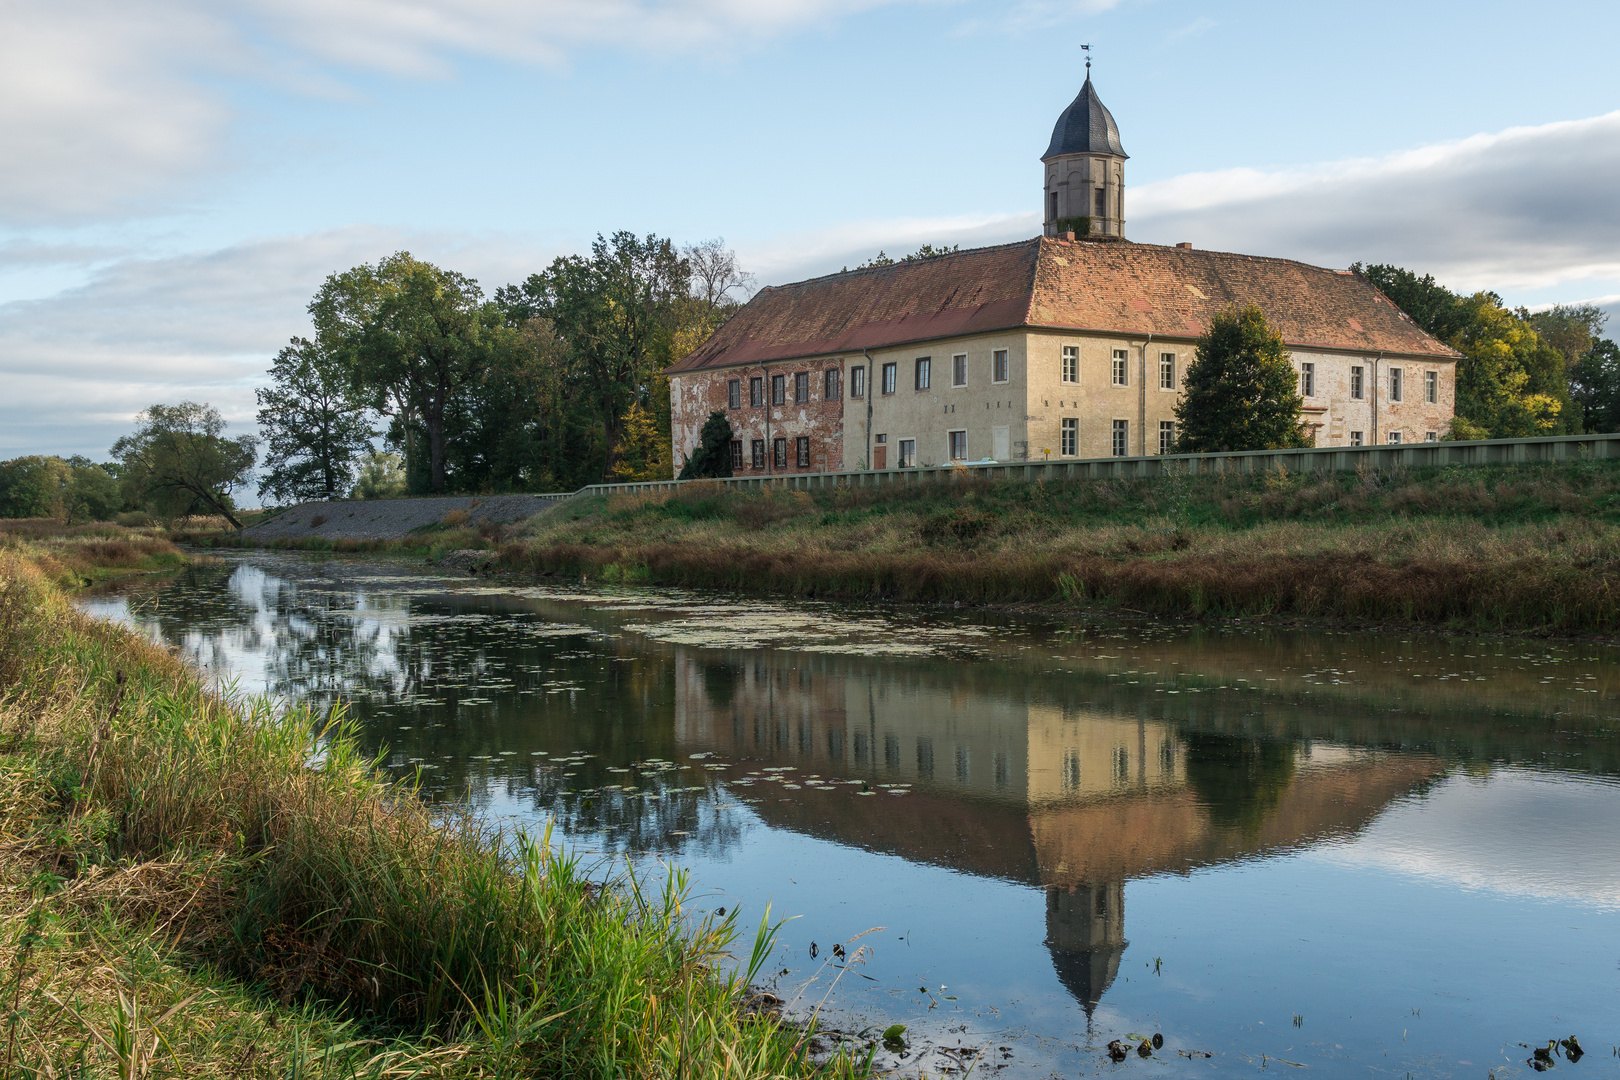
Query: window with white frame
x: 924, y: 372
x: 1355, y: 438
x: 1167, y: 371
x: 998, y: 366
x: 958, y: 441
x: 1357, y: 376
x: 1071, y: 436
x: 1431, y: 436
x: 908, y: 453
x: 1122, y: 368
x: 959, y: 369
x: 1395, y: 384
x: 1122, y: 438
x: 1167, y: 436
x: 1394, y: 438
x: 891, y: 374
x: 1431, y: 387
x: 1307, y: 380
x: 1071, y: 363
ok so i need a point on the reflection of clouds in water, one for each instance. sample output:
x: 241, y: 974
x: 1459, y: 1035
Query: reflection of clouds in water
x: 1514, y: 832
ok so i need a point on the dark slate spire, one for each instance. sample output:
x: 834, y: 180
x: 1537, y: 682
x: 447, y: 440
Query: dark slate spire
x: 1086, y: 127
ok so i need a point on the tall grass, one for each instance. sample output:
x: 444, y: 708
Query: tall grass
x: 255, y: 855
x: 1526, y: 547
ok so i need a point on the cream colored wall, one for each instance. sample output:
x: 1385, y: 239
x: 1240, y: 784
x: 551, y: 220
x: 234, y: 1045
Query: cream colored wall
x: 1076, y: 754
x: 929, y: 415
x: 1095, y: 401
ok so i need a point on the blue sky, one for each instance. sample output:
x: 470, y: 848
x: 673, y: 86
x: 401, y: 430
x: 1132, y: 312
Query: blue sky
x: 181, y: 175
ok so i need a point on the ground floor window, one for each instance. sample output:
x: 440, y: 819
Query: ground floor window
x: 958, y: 445
x: 759, y: 453
x: 1071, y: 436
x: 1122, y: 438
x: 1167, y: 436
x: 779, y: 453
x: 802, y: 449
x: 1394, y: 437
x: 736, y: 454
x: 908, y: 453
x: 1431, y: 436
x: 1355, y: 438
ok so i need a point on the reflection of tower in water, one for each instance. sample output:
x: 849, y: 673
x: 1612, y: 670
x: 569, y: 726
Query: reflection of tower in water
x: 1085, y: 931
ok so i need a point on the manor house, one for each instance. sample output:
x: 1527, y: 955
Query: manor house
x: 1070, y: 344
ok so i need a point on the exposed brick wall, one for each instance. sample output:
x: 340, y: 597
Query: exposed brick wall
x: 694, y: 395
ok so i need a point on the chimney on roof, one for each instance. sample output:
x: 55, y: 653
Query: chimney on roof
x: 1184, y: 246
x: 1068, y: 236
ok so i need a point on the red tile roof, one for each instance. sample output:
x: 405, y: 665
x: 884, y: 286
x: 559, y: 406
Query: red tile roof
x: 1113, y: 288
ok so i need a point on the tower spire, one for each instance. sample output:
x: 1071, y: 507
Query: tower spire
x: 1087, y: 50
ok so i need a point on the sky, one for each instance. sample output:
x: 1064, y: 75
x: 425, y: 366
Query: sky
x: 180, y: 175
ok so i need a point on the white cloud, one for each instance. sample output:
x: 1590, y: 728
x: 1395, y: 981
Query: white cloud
x: 1525, y: 208
x: 1197, y: 28
x: 77, y: 366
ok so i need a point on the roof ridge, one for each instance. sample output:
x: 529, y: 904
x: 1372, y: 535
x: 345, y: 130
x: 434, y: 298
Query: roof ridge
x: 889, y: 266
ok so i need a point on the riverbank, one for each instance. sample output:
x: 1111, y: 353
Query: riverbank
x: 182, y: 887
x: 74, y: 555
x: 1525, y: 548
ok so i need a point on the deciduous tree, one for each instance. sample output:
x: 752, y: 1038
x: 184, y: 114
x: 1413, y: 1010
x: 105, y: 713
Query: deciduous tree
x: 1241, y: 391
x: 315, y: 428
x: 178, y: 461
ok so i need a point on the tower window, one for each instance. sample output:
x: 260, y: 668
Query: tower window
x: 1052, y: 216
x: 1101, y: 198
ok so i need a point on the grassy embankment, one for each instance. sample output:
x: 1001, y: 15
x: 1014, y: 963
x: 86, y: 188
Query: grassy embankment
x: 73, y: 555
x: 219, y: 889
x: 1512, y: 547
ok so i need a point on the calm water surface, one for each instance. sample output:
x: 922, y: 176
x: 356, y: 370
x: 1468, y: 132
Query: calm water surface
x: 1364, y: 855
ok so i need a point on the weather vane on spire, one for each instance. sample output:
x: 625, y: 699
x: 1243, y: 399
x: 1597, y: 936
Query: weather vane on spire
x: 1087, y: 50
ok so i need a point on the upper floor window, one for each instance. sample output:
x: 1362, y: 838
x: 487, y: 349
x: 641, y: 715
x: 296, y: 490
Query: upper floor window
x: 756, y: 391
x: 1431, y: 387
x: 1307, y: 380
x: 857, y: 382
x: 734, y: 395
x: 924, y: 364
x: 959, y: 369
x: 1167, y: 371
x: 801, y: 387
x: 778, y: 389
x: 1122, y: 368
x: 1356, y: 376
x: 891, y: 374
x: 835, y: 385
x: 1071, y: 363
x: 998, y: 366
x: 1394, y: 387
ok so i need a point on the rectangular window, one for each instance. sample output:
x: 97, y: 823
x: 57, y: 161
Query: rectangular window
x: 1431, y: 436
x: 1071, y: 363
x: 1307, y: 380
x: 1167, y: 371
x: 1355, y: 438
x: 778, y: 389
x: 959, y: 369
x: 998, y: 366
x: 802, y: 448
x: 1122, y: 438
x: 924, y: 366
x: 958, y: 445
x: 756, y: 391
x: 801, y: 387
x: 1070, y: 445
x: 834, y: 388
x: 857, y: 382
x: 1394, y: 438
x: 1431, y: 387
x: 1122, y: 368
x: 1167, y: 436
x: 1394, y: 384
x: 736, y: 452
x: 908, y: 453
x: 758, y: 452
x: 1355, y: 382
x: 734, y: 394
x: 779, y: 453
x: 1100, y: 199
x: 891, y: 375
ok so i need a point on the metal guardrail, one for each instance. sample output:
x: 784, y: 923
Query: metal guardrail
x: 1307, y: 459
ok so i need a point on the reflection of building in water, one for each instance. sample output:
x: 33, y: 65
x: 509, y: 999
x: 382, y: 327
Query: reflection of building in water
x: 1009, y: 783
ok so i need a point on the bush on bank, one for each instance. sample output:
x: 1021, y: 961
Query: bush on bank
x: 256, y: 899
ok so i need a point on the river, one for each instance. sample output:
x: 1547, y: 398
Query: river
x: 1362, y: 854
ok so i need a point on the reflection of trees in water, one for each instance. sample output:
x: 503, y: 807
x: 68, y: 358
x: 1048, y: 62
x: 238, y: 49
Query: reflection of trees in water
x: 1239, y: 779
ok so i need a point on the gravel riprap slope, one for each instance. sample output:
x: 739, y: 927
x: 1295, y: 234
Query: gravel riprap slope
x: 389, y: 519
